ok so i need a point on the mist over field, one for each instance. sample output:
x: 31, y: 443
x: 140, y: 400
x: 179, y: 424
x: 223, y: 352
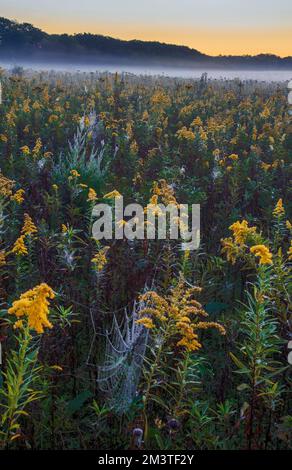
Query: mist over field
x: 179, y: 72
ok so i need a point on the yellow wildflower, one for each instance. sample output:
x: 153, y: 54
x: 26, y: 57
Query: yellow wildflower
x: 147, y: 322
x: 161, y: 188
x: 18, y: 324
x: 262, y: 252
x: 114, y: 194
x: 230, y: 249
x: 191, y: 343
x: 37, y: 148
x: 25, y: 106
x: 25, y: 150
x: 57, y: 368
x: 266, y: 113
x: 279, y: 210
x: 2, y: 258
x: 74, y: 174
x: 18, y: 196
x: 160, y: 100
x: 185, y: 134
x: 29, y: 227
x: 290, y: 252
x: 3, y: 138
x: 241, y: 231
x: 34, y: 305
x: 134, y: 147
x: 203, y: 134
x: 6, y: 186
x: 36, y: 106
x: 206, y: 325
x: 145, y: 116
x: 19, y: 247
x: 265, y: 166
x: 197, y: 122
x: 100, y: 259
x: 53, y: 118
x: 178, y: 312
x: 92, y: 196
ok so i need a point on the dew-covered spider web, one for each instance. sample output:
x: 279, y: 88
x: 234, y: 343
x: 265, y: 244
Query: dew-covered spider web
x: 125, y: 346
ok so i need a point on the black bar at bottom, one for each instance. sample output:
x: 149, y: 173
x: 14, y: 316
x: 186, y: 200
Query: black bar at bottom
x: 134, y: 459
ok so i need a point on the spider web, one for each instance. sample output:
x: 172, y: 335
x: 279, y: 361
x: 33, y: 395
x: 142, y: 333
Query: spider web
x: 125, y: 346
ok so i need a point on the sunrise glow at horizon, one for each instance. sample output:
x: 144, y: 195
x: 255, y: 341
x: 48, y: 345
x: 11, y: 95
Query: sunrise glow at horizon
x: 212, y: 27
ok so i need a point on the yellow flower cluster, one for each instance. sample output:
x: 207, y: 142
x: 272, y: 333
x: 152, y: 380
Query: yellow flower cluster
x: 6, y: 186
x: 230, y: 249
x: 100, y: 259
x: 262, y: 252
x: 18, y: 196
x: 92, y: 196
x: 34, y: 306
x: 19, y: 247
x: 29, y: 227
x: 160, y: 100
x: 2, y: 258
x: 185, y: 134
x: 197, y: 122
x: 241, y: 231
x: 290, y: 252
x: 279, y: 210
x: 25, y: 150
x: 3, y: 138
x: 73, y: 174
x: 165, y: 191
x: 37, y: 148
x: 234, y: 247
x: 147, y: 322
x: 112, y: 195
x: 178, y: 312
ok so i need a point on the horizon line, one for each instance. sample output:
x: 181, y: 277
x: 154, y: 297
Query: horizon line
x: 112, y: 36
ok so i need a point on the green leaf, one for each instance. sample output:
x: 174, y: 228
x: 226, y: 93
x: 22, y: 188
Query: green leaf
x: 236, y: 361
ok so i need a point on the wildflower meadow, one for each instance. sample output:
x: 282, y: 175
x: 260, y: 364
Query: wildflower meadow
x: 140, y: 344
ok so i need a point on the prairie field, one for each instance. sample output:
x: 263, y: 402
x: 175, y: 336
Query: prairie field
x: 140, y: 344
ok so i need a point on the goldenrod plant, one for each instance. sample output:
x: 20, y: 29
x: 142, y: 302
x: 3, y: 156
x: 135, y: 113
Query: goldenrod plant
x: 22, y: 369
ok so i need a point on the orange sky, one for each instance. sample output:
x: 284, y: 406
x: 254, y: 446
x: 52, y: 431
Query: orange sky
x: 213, y: 41
x: 211, y: 26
